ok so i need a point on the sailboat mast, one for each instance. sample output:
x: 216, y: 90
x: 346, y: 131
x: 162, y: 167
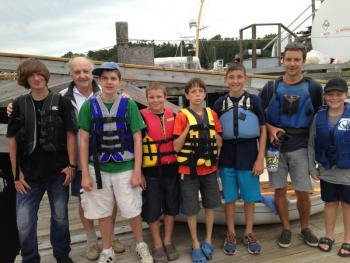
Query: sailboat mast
x: 198, y: 28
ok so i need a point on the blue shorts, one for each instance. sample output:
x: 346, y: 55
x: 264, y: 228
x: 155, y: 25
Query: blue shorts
x: 76, y: 184
x: 335, y: 192
x: 240, y: 184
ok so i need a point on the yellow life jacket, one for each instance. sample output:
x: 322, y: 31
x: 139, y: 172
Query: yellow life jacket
x: 200, y: 147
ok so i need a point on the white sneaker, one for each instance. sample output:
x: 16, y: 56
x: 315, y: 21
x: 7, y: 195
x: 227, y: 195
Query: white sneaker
x: 142, y: 253
x: 107, y: 258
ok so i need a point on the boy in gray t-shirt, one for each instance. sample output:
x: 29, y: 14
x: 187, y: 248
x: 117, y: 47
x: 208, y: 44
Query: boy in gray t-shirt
x: 328, y: 148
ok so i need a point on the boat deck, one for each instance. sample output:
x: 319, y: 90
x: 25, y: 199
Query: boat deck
x: 267, y: 234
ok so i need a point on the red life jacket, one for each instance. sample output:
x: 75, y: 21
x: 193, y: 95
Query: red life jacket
x: 157, y: 144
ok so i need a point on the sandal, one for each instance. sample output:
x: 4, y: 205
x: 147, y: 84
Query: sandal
x: 346, y: 247
x: 198, y: 256
x: 325, y: 241
x: 207, y: 250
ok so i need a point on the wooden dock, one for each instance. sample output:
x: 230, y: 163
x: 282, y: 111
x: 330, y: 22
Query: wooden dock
x: 267, y: 235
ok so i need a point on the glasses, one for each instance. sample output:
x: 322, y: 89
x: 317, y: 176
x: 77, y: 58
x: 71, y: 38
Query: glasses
x: 295, y: 45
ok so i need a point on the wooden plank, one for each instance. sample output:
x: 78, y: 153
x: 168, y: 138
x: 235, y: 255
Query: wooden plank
x: 266, y: 234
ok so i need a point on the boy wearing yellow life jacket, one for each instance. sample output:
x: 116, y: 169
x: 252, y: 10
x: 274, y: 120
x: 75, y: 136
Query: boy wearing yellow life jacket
x: 242, y: 154
x: 197, y: 142
x: 161, y: 195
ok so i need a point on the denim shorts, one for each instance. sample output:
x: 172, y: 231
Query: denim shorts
x: 240, y: 184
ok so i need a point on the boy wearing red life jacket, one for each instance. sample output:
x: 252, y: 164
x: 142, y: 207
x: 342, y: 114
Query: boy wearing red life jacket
x: 161, y: 196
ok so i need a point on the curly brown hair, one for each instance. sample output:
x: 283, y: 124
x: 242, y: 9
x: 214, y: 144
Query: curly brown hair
x: 29, y: 67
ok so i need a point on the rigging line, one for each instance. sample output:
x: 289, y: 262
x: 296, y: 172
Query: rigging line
x: 187, y: 16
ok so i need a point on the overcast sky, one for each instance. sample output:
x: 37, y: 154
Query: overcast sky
x: 55, y: 27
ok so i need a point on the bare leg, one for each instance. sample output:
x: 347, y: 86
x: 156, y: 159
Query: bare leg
x: 282, y: 207
x: 249, y: 217
x: 230, y: 217
x: 304, y: 206
x: 192, y: 225
x: 88, y: 224
x: 114, y: 216
x: 168, y: 229
x: 136, y: 226
x: 155, y: 231
x: 106, y: 228
x: 330, y: 218
x: 346, y: 222
x: 209, y: 221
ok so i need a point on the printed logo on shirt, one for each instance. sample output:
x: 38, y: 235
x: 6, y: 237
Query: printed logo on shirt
x: 54, y: 108
x: 170, y: 119
x: 344, y: 124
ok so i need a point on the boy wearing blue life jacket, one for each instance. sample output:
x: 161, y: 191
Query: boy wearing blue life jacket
x: 291, y: 102
x: 328, y: 147
x: 111, y: 156
x: 242, y: 154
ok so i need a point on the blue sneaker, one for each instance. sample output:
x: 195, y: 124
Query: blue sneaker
x: 253, y: 245
x: 230, y: 244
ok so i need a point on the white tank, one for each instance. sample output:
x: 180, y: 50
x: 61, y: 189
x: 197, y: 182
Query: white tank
x: 177, y: 62
x: 331, y: 29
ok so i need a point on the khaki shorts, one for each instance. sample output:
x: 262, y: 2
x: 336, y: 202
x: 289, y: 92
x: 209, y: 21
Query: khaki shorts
x: 99, y: 203
x: 296, y: 164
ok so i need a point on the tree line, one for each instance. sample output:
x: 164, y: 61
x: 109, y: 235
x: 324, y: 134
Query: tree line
x: 211, y: 49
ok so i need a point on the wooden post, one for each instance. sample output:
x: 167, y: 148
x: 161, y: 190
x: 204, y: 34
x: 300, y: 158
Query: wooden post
x: 241, y: 46
x: 254, y: 46
x: 122, y: 41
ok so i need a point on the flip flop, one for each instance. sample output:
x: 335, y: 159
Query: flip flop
x: 345, y: 246
x: 325, y: 241
x: 207, y: 250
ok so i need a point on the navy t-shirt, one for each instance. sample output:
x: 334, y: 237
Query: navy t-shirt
x: 297, y: 141
x: 240, y: 153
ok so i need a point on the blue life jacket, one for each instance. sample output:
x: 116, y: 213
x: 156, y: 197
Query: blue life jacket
x: 291, y: 106
x: 332, y: 143
x: 111, y: 137
x: 238, y: 120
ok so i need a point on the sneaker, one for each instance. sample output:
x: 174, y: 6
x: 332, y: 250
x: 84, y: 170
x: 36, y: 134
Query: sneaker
x: 309, y: 237
x: 117, y: 246
x: 253, y: 245
x: 142, y: 253
x: 159, y: 255
x: 230, y: 245
x: 171, y: 252
x: 92, y: 252
x: 285, y: 238
x: 107, y: 258
x: 64, y: 260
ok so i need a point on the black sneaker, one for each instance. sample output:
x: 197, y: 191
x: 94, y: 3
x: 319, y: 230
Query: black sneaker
x: 285, y: 238
x: 64, y: 260
x: 309, y: 237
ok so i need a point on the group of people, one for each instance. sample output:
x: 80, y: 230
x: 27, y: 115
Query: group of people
x: 153, y: 162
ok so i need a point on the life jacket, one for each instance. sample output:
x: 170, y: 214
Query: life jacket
x: 157, y: 143
x: 238, y: 120
x: 200, y: 146
x: 110, y: 138
x: 52, y: 132
x: 291, y: 106
x: 332, y: 143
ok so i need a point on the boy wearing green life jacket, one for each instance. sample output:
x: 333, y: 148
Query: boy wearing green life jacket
x: 242, y: 154
x: 197, y: 131
x: 161, y: 194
